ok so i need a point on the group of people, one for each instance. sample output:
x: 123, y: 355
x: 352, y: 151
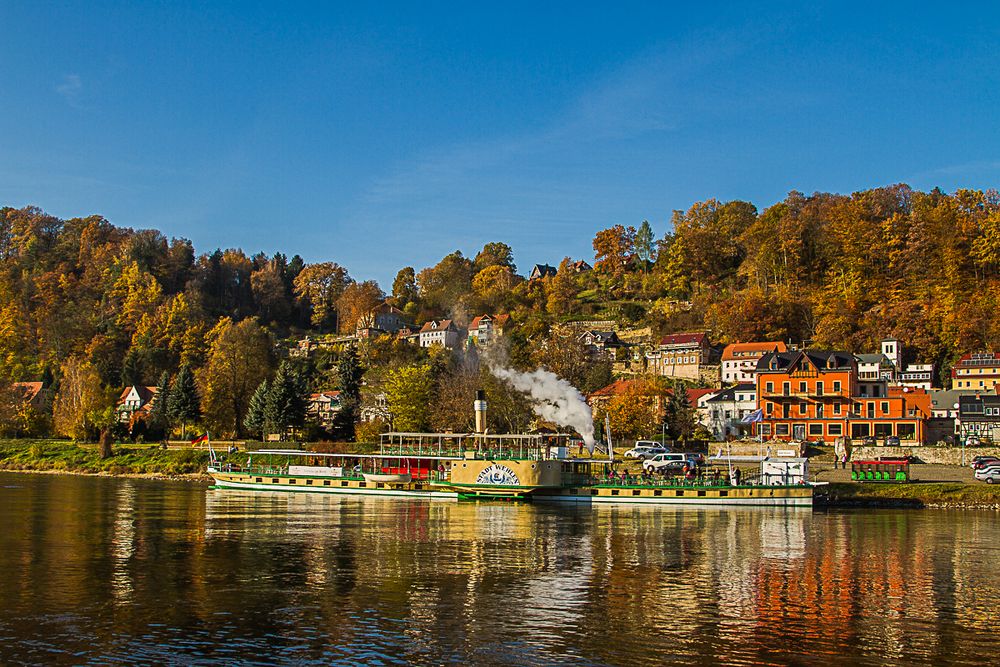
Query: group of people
x: 689, y: 474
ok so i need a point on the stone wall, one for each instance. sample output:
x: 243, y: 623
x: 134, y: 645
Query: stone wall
x: 943, y: 455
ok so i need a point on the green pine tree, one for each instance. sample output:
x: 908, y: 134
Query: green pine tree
x: 182, y: 404
x: 256, y: 421
x: 159, y: 418
x: 286, y: 401
x: 349, y: 374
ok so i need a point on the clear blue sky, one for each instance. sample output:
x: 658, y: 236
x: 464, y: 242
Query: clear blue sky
x: 382, y: 136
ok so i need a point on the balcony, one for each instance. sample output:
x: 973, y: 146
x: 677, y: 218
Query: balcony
x: 810, y: 394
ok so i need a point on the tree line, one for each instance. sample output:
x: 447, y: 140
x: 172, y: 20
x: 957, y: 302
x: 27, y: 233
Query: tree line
x: 88, y: 307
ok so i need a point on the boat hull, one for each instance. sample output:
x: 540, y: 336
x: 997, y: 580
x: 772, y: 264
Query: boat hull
x: 767, y: 496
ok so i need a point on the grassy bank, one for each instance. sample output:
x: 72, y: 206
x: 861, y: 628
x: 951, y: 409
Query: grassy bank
x: 65, y: 456
x: 916, y: 494
x: 129, y: 459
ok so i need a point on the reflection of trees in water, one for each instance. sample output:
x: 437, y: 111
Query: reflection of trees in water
x: 326, y: 577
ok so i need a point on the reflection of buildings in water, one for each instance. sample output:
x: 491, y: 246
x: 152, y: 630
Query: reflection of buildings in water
x: 123, y: 540
x: 783, y: 535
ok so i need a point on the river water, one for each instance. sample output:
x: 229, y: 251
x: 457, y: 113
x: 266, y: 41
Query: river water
x: 120, y: 571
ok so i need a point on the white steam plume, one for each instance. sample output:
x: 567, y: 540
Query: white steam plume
x: 553, y: 399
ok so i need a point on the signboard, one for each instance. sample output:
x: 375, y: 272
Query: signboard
x: 788, y: 453
x: 316, y: 471
x: 498, y: 475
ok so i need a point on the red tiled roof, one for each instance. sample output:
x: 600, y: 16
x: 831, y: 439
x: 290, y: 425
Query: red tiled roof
x: 441, y: 325
x: 683, y: 338
x: 733, y: 349
x: 694, y: 394
x: 146, y: 394
x: 327, y: 394
x: 29, y: 389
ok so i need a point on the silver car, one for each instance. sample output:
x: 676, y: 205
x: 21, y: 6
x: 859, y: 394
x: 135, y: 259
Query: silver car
x: 989, y: 474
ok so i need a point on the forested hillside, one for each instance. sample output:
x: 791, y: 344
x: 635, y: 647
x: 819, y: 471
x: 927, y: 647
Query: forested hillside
x: 114, y: 306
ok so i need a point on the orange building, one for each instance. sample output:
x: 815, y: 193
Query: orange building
x: 805, y: 394
x: 813, y: 395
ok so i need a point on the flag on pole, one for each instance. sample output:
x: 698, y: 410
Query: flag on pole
x: 200, y: 438
x: 753, y: 417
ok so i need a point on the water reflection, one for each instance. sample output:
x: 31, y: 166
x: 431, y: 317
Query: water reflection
x: 101, y: 570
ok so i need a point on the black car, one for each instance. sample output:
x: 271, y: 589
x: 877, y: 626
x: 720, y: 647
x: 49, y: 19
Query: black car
x: 891, y: 441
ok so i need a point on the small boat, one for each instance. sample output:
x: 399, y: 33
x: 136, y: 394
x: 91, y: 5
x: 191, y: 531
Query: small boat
x: 386, y: 478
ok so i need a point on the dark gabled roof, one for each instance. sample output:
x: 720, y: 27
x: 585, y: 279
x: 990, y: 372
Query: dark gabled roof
x: 729, y: 395
x: 542, y: 270
x: 602, y: 336
x: 824, y: 361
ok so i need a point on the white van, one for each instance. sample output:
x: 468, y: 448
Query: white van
x: 670, y: 461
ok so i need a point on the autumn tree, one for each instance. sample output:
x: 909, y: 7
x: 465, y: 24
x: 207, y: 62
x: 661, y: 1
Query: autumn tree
x: 356, y: 301
x: 239, y: 359
x: 404, y: 289
x: 318, y: 286
x: 408, y: 394
x: 492, y: 287
x: 613, y: 250
x: 443, y: 285
x: 82, y: 406
x: 494, y: 254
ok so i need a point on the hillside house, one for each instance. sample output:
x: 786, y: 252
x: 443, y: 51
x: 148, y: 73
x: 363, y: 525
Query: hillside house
x: 135, y: 400
x: 485, y: 329
x: 542, y: 271
x: 727, y: 408
x: 739, y: 360
x: 440, y: 332
x: 600, y: 344
x: 681, y: 355
x: 323, y: 407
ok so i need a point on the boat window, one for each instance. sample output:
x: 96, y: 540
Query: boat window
x: 679, y: 492
x: 309, y: 482
x: 326, y: 482
x: 635, y: 492
x: 657, y: 492
x: 259, y: 480
x: 291, y: 481
x: 701, y: 493
x: 723, y: 494
x: 343, y: 483
x: 274, y: 481
x: 614, y: 492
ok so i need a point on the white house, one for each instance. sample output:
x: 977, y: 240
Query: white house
x: 739, y: 360
x: 484, y: 329
x: 439, y: 332
x: 728, y: 407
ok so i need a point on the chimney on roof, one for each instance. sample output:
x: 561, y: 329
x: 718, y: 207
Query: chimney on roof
x: 480, y: 407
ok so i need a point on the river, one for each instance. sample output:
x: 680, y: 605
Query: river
x: 123, y: 571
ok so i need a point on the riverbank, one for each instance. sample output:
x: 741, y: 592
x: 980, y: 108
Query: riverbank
x: 916, y: 495
x: 57, y: 456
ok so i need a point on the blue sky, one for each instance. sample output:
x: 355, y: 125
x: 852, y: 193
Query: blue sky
x: 386, y: 135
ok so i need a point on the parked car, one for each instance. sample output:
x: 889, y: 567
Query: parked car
x: 985, y: 462
x: 670, y: 461
x: 642, y: 453
x: 972, y: 441
x: 989, y: 474
x: 868, y: 441
x: 891, y: 441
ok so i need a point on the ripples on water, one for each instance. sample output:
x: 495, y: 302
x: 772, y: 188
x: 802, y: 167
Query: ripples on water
x: 99, y: 571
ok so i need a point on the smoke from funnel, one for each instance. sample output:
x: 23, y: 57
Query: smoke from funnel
x: 553, y: 399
